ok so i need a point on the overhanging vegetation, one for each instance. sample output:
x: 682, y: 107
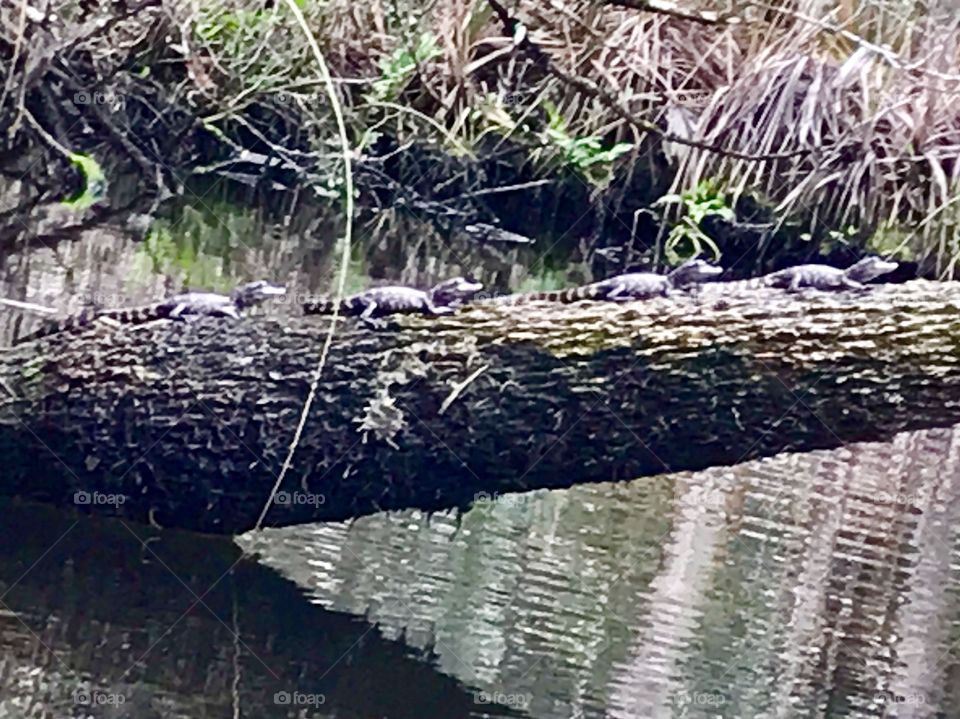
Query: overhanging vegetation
x: 845, y: 129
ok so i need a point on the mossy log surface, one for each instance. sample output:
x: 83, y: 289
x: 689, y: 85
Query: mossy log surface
x: 189, y: 423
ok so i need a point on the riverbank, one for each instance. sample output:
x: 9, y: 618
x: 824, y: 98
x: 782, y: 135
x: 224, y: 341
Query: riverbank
x: 618, y: 135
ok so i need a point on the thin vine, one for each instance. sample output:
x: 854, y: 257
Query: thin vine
x: 344, y: 258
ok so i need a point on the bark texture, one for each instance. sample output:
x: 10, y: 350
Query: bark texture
x: 189, y: 423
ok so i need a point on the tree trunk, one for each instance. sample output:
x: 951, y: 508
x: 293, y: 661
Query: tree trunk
x: 189, y: 423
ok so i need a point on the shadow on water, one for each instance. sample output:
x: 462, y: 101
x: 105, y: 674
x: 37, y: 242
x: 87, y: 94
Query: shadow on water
x: 185, y: 626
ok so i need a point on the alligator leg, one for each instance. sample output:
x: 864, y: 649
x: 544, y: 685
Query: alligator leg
x: 431, y: 309
x: 617, y: 294
x: 367, y: 316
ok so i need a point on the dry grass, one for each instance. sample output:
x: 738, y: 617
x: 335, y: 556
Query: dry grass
x: 884, y: 137
x: 876, y: 130
x: 865, y: 94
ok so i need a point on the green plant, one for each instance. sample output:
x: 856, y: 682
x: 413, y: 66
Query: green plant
x: 397, y: 68
x: 586, y: 155
x: 163, y: 254
x: 892, y: 240
x: 835, y: 239
x: 229, y: 27
x: 198, y: 247
x: 236, y: 34
x: 94, y: 182
x: 687, y: 238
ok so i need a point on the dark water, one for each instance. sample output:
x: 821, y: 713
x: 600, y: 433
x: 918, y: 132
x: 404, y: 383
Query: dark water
x: 107, y: 619
x: 817, y: 585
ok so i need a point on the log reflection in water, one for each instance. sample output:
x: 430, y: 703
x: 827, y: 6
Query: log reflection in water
x: 815, y: 584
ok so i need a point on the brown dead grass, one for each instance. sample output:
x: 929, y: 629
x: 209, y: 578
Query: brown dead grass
x: 867, y: 94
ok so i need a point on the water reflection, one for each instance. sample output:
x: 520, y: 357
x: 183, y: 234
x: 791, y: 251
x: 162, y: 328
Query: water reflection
x: 107, y: 619
x: 822, y: 584
x: 216, y: 246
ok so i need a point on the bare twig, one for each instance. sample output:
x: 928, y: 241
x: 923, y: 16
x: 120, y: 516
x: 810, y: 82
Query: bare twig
x: 429, y: 120
x: 707, y: 17
x: 504, y: 188
x: 29, y: 306
x: 46, y: 136
x: 459, y: 387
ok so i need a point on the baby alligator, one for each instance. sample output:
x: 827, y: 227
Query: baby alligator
x: 823, y: 277
x: 624, y: 288
x: 442, y: 299
x: 178, y: 307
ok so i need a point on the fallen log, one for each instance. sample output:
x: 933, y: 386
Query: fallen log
x: 187, y: 424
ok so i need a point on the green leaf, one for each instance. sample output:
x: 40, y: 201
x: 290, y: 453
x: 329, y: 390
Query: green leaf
x: 555, y: 120
x: 396, y: 69
x: 94, y: 182
x: 687, y: 238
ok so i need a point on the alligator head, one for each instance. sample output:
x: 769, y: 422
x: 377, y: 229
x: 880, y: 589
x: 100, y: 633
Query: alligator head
x: 454, y: 291
x: 694, y: 272
x: 253, y: 293
x: 868, y: 268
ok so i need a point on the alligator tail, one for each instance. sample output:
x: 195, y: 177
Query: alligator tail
x: 577, y: 294
x: 77, y: 321
x: 318, y: 307
x: 138, y: 315
x: 571, y: 294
